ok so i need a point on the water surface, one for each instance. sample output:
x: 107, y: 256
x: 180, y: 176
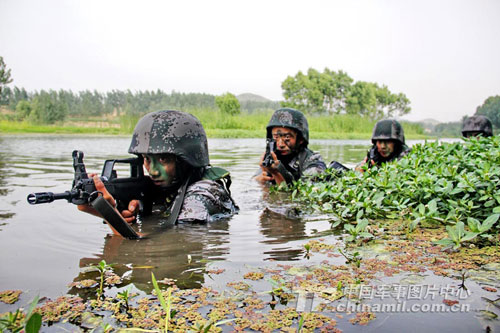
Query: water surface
x: 44, y: 248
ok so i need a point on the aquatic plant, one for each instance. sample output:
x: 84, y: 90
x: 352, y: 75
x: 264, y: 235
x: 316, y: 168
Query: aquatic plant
x: 102, y: 267
x: 457, y: 235
x: 166, y: 305
x: 125, y: 297
x: 354, y: 258
x: 307, y: 247
x: 301, y: 324
x: 10, y: 296
x: 357, y: 231
x: 30, y: 322
x: 436, y: 184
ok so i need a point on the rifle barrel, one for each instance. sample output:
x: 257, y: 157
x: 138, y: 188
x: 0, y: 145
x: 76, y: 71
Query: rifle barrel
x: 46, y: 197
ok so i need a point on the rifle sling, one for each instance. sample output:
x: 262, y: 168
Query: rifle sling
x: 177, y: 205
x: 113, y: 217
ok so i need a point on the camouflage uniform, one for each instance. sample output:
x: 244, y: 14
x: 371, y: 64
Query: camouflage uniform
x: 304, y: 162
x: 387, y: 129
x: 205, y: 189
x: 477, y: 125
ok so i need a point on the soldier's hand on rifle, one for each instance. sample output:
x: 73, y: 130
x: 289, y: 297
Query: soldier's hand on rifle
x: 130, y: 213
x: 271, y: 172
x: 101, y: 188
x: 360, y: 166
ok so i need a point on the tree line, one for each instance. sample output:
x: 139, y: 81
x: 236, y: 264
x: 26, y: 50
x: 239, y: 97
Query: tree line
x: 314, y: 93
x: 331, y: 92
x: 50, y: 106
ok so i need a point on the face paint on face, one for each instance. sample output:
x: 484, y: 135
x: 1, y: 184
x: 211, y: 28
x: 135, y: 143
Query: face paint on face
x: 286, y: 140
x: 385, y: 147
x: 161, y: 168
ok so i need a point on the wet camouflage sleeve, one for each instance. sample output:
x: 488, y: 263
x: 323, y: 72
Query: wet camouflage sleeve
x: 205, y: 201
x: 313, y: 164
x: 405, y: 150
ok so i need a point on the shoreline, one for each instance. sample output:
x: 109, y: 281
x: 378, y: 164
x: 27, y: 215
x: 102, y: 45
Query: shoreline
x: 211, y: 134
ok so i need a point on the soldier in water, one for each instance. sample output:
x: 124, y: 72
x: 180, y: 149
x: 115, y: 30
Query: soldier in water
x: 174, y: 147
x: 477, y: 126
x: 388, y: 144
x: 288, y: 133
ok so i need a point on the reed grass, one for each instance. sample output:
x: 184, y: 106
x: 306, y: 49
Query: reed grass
x: 219, y: 125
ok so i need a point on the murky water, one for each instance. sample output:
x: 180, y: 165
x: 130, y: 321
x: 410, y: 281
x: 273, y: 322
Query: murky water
x: 44, y: 248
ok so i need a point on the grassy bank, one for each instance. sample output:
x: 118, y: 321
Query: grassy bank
x: 217, y: 125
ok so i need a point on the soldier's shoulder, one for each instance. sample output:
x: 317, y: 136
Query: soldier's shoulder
x: 311, y: 156
x: 205, y: 187
x: 405, y: 150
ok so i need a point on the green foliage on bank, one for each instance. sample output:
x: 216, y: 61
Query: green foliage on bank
x: 491, y: 109
x: 9, y: 127
x: 217, y: 124
x: 331, y: 92
x: 228, y: 104
x: 453, y: 184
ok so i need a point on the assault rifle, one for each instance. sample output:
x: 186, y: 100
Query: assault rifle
x: 123, y: 190
x: 268, y: 158
x: 372, y: 156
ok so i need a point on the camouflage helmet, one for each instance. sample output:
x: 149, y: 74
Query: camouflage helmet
x: 171, y: 132
x: 479, y: 124
x: 291, y: 118
x: 388, y: 129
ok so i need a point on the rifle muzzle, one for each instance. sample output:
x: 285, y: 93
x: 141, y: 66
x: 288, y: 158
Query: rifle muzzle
x: 46, y: 197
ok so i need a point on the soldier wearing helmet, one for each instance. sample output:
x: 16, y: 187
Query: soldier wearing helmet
x: 174, y: 147
x: 289, y: 158
x: 477, y: 126
x: 388, y: 144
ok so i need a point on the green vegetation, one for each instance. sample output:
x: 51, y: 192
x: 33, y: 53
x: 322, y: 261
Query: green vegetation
x: 336, y: 108
x: 102, y: 267
x: 491, y: 109
x: 166, y: 305
x: 228, y: 104
x: 5, y: 77
x: 435, y: 185
x: 29, y: 322
x: 217, y: 125
x: 334, y: 93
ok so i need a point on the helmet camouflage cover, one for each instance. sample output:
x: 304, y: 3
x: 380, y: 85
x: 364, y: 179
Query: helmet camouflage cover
x: 171, y: 132
x: 477, y: 124
x: 388, y: 129
x: 291, y: 118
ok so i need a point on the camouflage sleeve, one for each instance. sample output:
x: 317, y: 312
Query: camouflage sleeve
x: 405, y: 150
x: 313, y: 165
x: 205, y: 201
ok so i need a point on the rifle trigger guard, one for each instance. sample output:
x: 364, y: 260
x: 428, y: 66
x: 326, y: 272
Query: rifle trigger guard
x: 94, y: 195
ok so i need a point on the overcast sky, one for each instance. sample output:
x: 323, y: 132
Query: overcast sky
x: 444, y: 55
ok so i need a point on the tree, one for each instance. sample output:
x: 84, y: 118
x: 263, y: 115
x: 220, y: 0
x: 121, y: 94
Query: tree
x: 5, y: 78
x: 491, y: 109
x: 228, y: 104
x: 47, y: 108
x: 23, y: 110
x: 334, y: 92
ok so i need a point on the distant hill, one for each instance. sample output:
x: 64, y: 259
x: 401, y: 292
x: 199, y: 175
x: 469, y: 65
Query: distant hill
x: 429, y: 121
x: 248, y: 97
x: 251, y: 102
x: 428, y: 124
